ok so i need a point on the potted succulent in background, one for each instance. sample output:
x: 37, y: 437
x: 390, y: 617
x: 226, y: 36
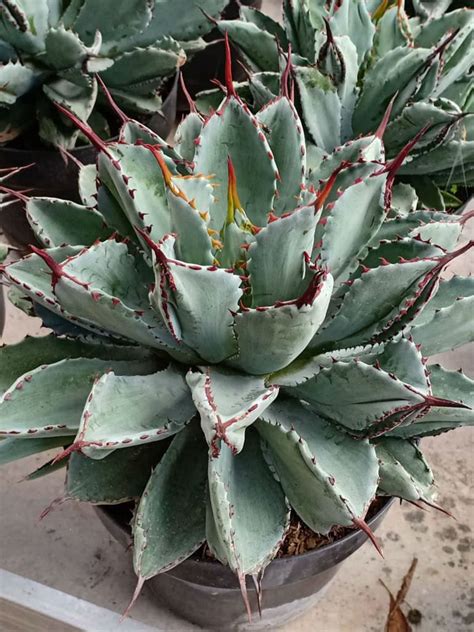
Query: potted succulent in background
x: 258, y: 342
x: 51, y: 53
x: 351, y: 59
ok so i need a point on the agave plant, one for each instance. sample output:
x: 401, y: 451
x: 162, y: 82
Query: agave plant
x: 351, y: 58
x: 51, y: 51
x: 259, y: 342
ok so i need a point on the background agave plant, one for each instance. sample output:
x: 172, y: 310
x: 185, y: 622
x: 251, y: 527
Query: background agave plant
x: 51, y: 50
x: 351, y: 58
x: 259, y: 341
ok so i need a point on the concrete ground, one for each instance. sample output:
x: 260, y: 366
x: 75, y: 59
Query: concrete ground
x: 70, y: 550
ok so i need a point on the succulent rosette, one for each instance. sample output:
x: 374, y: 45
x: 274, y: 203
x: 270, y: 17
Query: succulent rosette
x: 254, y: 342
x: 351, y: 58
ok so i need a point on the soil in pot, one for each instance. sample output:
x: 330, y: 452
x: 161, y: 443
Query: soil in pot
x: 207, y: 593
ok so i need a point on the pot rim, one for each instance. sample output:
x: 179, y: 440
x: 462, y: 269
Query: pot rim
x: 320, y: 551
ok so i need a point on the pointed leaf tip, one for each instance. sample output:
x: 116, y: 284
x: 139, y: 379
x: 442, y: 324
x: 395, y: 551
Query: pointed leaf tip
x: 324, y: 192
x: 245, y: 597
x: 52, y: 506
x: 56, y: 268
x: 20, y: 195
x: 136, y: 594
x: 438, y: 508
x: 394, y: 165
x: 228, y: 69
x: 160, y: 256
x: 287, y: 84
x: 167, y: 175
x: 189, y: 99
x: 118, y: 111
x: 257, y: 581
x: 85, y: 129
x: 363, y: 526
x: 386, y: 118
x: 439, y: 402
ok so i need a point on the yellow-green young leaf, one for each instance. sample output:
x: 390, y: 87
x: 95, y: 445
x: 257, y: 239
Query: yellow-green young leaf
x: 170, y: 523
x: 233, y: 131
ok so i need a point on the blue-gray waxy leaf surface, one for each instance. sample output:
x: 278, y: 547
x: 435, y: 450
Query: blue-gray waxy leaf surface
x: 250, y: 331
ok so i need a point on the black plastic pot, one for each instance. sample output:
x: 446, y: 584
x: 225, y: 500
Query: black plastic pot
x: 207, y: 593
x: 53, y: 175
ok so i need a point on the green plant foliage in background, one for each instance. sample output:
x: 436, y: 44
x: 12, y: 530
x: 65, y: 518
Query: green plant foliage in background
x: 51, y: 51
x: 351, y: 59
